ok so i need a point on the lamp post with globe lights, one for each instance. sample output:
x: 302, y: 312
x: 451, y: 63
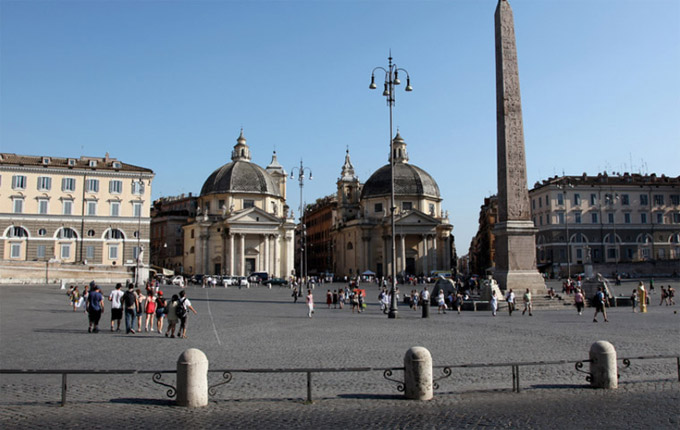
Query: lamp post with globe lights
x: 391, y: 80
x: 303, y: 230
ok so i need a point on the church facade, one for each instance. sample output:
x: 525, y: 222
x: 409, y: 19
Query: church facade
x: 242, y: 223
x: 361, y: 230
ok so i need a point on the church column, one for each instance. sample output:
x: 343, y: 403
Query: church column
x: 435, y: 252
x: 426, y: 254
x: 275, y: 267
x: 224, y: 252
x: 403, y: 252
x: 266, y: 253
x: 242, y: 268
x: 231, y: 254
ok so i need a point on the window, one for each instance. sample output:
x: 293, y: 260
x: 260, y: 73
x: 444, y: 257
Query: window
x: 89, y: 252
x: 629, y: 253
x: 547, y: 200
x: 431, y: 209
x: 15, y: 250
x: 560, y: 199
x: 41, y: 251
x: 67, y: 206
x: 626, y: 218
x: 44, y: 183
x: 611, y: 253
x: 42, y: 232
x: 92, y: 186
x: 406, y: 206
x: 609, y: 199
x: 560, y: 217
x: 246, y: 204
x: 540, y: 202
x: 221, y: 204
x: 65, y: 251
x: 676, y: 218
x: 66, y: 233
x: 43, y: 206
x: 625, y: 199
x: 659, y: 217
x: 137, y: 209
x: 18, y: 232
x: 610, y: 218
x: 92, y: 163
x: 577, y: 217
x: 115, y: 187
x: 378, y: 207
x: 579, y: 253
x: 643, y: 218
x: 137, y: 187
x: 540, y: 219
x: 114, y: 233
x: 135, y: 252
x: 18, y: 205
x: 593, y: 199
x: 675, y: 199
x: 658, y: 199
x: 68, y: 184
x: 533, y: 204
x: 115, y: 209
x: 192, y: 234
x: 113, y: 252
x: 90, y: 233
x: 92, y: 208
x: 644, y: 200
x: 593, y: 217
x: 577, y: 199
x: 18, y: 182
x: 547, y: 219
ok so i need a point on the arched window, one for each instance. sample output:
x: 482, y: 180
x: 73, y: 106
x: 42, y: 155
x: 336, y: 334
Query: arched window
x: 16, y: 231
x: 115, y: 234
x: 66, y: 233
x: 350, y: 246
x: 675, y: 238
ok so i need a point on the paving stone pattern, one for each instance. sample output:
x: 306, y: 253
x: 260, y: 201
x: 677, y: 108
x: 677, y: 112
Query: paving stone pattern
x: 262, y: 328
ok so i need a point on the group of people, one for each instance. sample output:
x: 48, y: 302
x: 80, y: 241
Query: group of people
x: 511, y: 299
x: 146, y: 310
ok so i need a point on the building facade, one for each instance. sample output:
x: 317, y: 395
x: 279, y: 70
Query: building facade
x: 482, y: 247
x: 242, y: 224
x: 361, y: 230
x: 168, y: 216
x: 87, y: 211
x: 318, y: 223
x: 606, y: 220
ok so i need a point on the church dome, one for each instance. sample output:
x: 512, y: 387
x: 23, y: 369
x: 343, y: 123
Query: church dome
x: 240, y: 176
x: 409, y: 180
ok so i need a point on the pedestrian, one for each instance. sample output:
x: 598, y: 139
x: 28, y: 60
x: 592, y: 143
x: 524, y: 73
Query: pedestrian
x: 75, y: 297
x: 354, y: 298
x: 671, y: 295
x: 579, y: 300
x: 664, y: 296
x: 633, y: 299
x: 599, y: 302
x: 494, y: 303
x: 527, y: 302
x: 141, y: 306
x: 182, y: 313
x: 172, y: 315
x: 335, y: 299
x: 310, y: 303
x: 130, y: 303
x: 425, y: 298
x: 95, y: 307
x: 160, y: 311
x: 150, y: 311
x: 86, y: 295
x: 510, y: 298
x: 441, y: 302
x: 116, y: 306
x: 341, y: 298
x: 459, y: 301
x: 295, y: 294
x: 329, y: 298
x: 362, y: 303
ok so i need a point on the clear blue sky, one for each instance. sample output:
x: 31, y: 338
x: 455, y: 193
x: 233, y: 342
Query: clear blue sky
x: 168, y: 85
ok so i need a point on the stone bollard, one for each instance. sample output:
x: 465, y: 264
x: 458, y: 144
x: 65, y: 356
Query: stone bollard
x: 192, y: 379
x: 603, y: 370
x: 418, y: 374
x: 425, y: 306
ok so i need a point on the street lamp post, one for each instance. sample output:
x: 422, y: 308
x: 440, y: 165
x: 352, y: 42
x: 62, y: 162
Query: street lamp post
x: 391, y: 80
x: 303, y: 229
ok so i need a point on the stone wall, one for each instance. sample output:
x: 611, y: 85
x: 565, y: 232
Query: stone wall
x: 34, y: 272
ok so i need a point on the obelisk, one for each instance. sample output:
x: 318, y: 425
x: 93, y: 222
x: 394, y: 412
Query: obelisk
x: 515, y: 232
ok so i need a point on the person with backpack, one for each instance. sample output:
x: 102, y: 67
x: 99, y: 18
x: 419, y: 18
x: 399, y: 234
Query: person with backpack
x: 599, y: 302
x: 183, y: 307
x: 171, y: 311
x: 129, y: 302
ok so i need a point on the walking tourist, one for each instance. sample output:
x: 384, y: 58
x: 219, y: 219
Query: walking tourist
x: 671, y: 295
x: 139, y: 310
x: 295, y: 294
x: 424, y: 297
x: 335, y: 299
x: 633, y: 299
x: 95, y: 307
x: 310, y: 303
x: 116, y: 306
x: 329, y: 298
x: 494, y: 303
x: 160, y: 311
x: 362, y: 304
x: 150, y: 310
x: 341, y: 298
x: 441, y: 302
x: 664, y: 296
x: 599, y: 300
x: 130, y: 303
x: 527, y: 302
x: 182, y: 312
x: 75, y: 297
x: 172, y: 315
x: 354, y: 297
x: 510, y: 298
x: 579, y: 300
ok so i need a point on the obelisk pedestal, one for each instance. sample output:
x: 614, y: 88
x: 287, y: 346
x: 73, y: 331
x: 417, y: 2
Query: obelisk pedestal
x: 515, y: 232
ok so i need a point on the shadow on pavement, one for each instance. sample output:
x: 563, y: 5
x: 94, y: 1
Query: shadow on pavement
x: 150, y: 402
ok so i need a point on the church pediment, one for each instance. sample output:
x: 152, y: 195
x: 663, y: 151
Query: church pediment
x: 253, y: 215
x: 416, y: 218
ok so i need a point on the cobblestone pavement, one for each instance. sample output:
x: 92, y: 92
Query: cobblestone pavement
x: 262, y: 328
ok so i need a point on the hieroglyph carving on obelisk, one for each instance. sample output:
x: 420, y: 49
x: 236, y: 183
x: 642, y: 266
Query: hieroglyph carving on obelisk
x: 515, y: 232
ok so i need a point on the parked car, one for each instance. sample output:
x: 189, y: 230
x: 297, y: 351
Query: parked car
x: 242, y: 281
x: 276, y: 281
x: 228, y: 281
x: 178, y: 280
x: 258, y: 277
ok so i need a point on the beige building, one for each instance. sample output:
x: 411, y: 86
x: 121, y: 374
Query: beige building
x: 87, y: 212
x: 361, y: 229
x: 610, y: 221
x: 242, y: 223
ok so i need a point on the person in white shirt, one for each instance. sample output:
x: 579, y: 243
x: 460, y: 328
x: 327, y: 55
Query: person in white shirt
x: 116, y: 306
